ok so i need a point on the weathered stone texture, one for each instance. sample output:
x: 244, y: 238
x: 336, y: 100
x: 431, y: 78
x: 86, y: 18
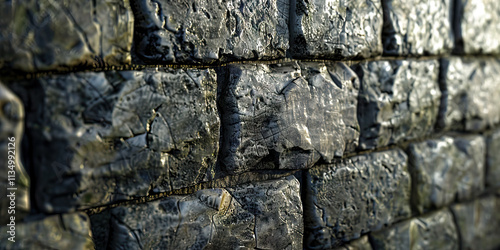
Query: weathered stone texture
x: 446, y: 170
x: 493, y: 160
x: 192, y: 31
x: 65, y: 231
x: 478, y: 222
x: 470, y: 94
x: 359, y: 195
x: 265, y: 215
x: 417, y: 27
x: 14, y: 181
x: 431, y: 231
x: 287, y: 116
x: 398, y: 100
x: 358, y: 244
x: 477, y: 26
x: 335, y: 29
x: 116, y: 135
x: 45, y: 35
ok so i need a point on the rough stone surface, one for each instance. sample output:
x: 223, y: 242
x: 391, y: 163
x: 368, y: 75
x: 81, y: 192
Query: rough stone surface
x: 265, y: 215
x: 493, y: 160
x: 446, y: 170
x: 398, y: 100
x: 478, y: 222
x: 286, y: 116
x: 417, y: 27
x: 358, y: 244
x: 335, y: 29
x: 191, y: 31
x: 64, y: 231
x: 44, y: 35
x: 470, y: 94
x: 14, y: 181
x: 116, y: 135
x: 431, y: 231
x: 477, y: 26
x: 359, y: 195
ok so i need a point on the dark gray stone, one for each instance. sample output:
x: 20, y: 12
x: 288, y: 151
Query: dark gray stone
x: 478, y: 222
x: 264, y: 215
x: 14, y: 181
x: 470, y: 94
x: 476, y: 27
x: 286, y: 116
x: 335, y: 29
x: 493, y: 160
x: 64, y: 231
x: 359, y: 244
x: 192, y: 31
x: 356, y: 196
x: 45, y: 35
x: 417, y: 27
x: 118, y: 135
x: 446, y: 170
x: 398, y: 100
x: 431, y: 231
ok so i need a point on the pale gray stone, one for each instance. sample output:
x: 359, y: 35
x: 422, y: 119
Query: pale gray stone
x: 493, y: 160
x: 358, y: 244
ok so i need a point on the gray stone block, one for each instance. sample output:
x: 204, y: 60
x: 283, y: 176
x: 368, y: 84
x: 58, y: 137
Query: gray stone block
x: 476, y: 26
x: 264, y: 215
x: 470, y: 94
x: 193, y: 31
x: 417, y: 27
x: 47, y: 35
x: 493, y: 160
x: 358, y: 244
x: 446, y: 170
x: 103, y: 137
x: 358, y: 195
x: 14, y: 180
x: 335, y: 29
x: 435, y: 230
x: 286, y: 116
x: 398, y: 100
x: 63, y: 231
x: 478, y: 222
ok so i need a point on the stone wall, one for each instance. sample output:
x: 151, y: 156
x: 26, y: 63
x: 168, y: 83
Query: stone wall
x: 264, y: 124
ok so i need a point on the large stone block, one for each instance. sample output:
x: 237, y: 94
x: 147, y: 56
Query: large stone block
x: 398, y: 100
x: 356, y: 196
x: 417, y: 27
x: 435, y: 230
x: 192, y: 31
x: 46, y: 35
x: 477, y: 26
x: 493, y: 160
x: 335, y: 29
x: 64, y: 231
x: 470, y: 94
x: 286, y: 116
x: 262, y: 215
x: 14, y: 180
x: 478, y: 222
x: 102, y: 137
x: 446, y: 170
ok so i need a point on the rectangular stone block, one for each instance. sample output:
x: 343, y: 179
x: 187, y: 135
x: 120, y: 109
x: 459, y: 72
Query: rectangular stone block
x: 435, y: 230
x: 478, y: 222
x: 98, y: 138
x: 417, y: 27
x: 361, y: 194
x: 64, y: 231
x: 476, y: 26
x: 446, y: 170
x: 493, y: 160
x: 262, y: 215
x: 208, y: 31
x: 48, y: 35
x: 398, y: 100
x: 470, y: 94
x: 286, y: 116
x: 335, y: 29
